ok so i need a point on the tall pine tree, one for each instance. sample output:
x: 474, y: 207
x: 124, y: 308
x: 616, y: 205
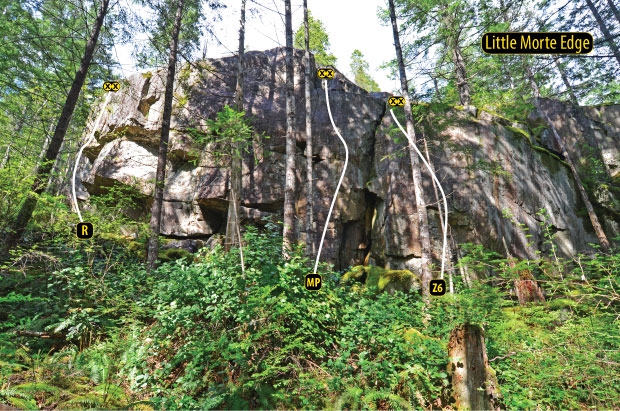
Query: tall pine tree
x: 423, y: 229
x: 160, y: 176
x: 289, y: 177
x: 22, y: 219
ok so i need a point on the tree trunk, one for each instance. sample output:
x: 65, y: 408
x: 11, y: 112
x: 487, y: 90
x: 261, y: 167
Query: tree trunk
x: 602, y: 238
x: 449, y: 266
x: 289, y: 181
x: 605, y: 30
x: 55, y: 174
x: 614, y: 9
x: 436, y: 87
x: 234, y: 199
x: 158, y: 197
x: 461, y: 74
x: 469, y: 277
x: 474, y: 384
x: 57, y: 187
x: 25, y: 213
x: 18, y: 128
x: 569, y: 88
x: 7, y: 156
x: 309, y: 174
x: 423, y: 230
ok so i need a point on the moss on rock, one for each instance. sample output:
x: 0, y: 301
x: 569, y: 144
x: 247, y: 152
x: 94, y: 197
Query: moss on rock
x: 544, y: 150
x: 137, y: 247
x: 382, y: 279
x: 173, y: 254
x: 520, y: 132
x: 358, y: 272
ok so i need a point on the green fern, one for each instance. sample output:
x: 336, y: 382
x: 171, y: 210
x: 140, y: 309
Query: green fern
x: 394, y: 402
x: 18, y: 398
x: 87, y: 400
x: 111, y: 391
x: 23, y: 404
x: 98, y: 366
x: 350, y: 399
x: 141, y: 405
x: 37, y: 387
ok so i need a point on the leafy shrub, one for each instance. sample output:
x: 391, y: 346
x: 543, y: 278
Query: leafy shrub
x: 199, y: 333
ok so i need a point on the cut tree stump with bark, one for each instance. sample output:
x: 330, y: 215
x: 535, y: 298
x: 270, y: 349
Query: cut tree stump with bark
x: 528, y: 291
x: 526, y: 287
x: 474, y: 383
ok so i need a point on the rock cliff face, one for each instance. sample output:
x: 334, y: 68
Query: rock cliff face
x: 486, y: 163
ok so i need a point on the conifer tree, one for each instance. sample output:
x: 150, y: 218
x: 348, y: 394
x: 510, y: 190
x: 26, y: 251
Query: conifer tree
x: 43, y: 169
x: 614, y: 10
x: 319, y: 41
x: 234, y: 199
x: 309, y: 173
x: 604, y: 29
x: 445, y: 23
x: 359, y: 69
x: 289, y: 178
x: 160, y: 177
x: 424, y: 234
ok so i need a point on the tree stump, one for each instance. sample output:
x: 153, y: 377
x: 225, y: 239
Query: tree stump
x: 528, y: 291
x: 526, y: 287
x: 473, y: 381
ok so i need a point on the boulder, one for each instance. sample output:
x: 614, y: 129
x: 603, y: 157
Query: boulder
x: 497, y: 173
x: 383, y: 280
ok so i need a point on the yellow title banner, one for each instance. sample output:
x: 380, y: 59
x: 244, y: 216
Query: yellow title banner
x: 537, y: 43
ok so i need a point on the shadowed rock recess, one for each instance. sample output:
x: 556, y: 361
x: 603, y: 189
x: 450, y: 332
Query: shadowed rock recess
x: 486, y: 164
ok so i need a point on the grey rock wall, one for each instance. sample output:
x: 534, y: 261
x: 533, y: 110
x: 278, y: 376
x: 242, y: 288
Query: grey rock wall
x: 486, y: 164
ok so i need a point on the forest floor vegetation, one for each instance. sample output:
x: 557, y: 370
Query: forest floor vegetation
x: 85, y: 325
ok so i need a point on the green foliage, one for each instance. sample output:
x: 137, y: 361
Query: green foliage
x: 157, y: 22
x: 560, y: 354
x: 198, y: 333
x: 431, y: 31
x: 319, y: 42
x: 494, y: 167
x: 229, y: 135
x: 18, y: 398
x: 591, y: 167
x: 359, y: 69
x: 60, y: 379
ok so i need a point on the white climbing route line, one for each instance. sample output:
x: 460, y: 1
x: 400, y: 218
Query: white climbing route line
x: 445, y: 202
x: 79, y: 155
x: 346, y: 162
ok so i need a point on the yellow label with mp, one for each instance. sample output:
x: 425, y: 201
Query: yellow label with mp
x: 313, y: 282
